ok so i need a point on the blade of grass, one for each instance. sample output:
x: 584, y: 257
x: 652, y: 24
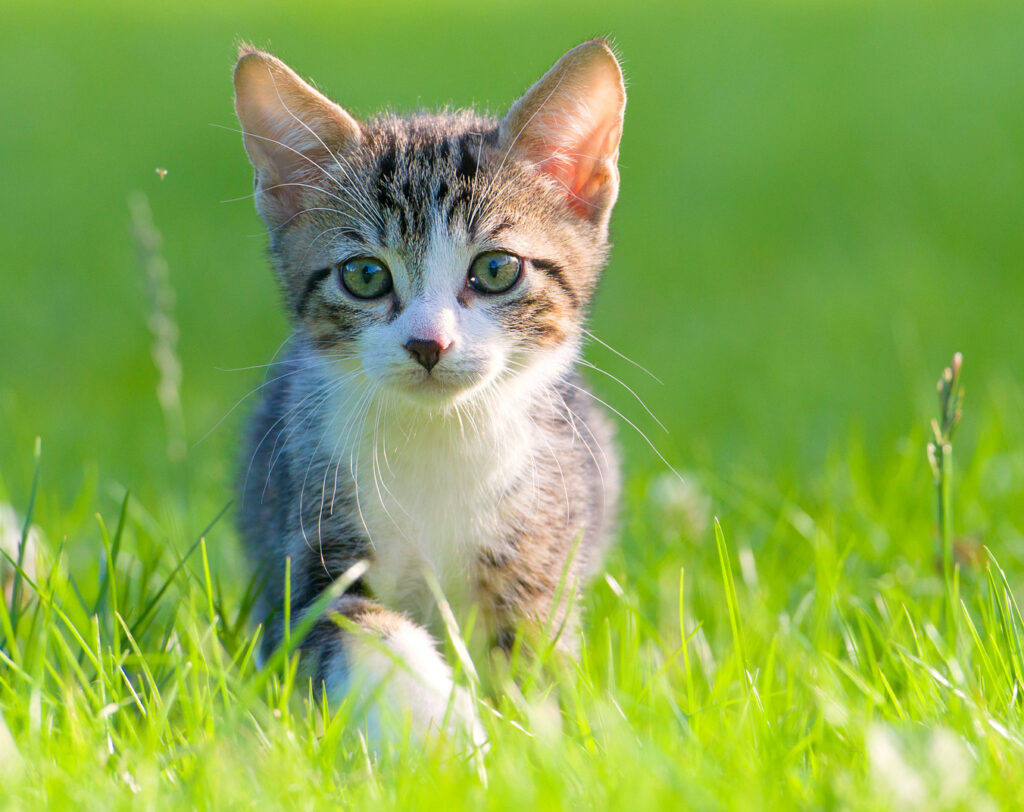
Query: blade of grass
x: 151, y: 605
x: 25, y: 530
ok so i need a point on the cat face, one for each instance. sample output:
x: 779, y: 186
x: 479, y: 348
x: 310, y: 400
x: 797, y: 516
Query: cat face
x: 438, y: 255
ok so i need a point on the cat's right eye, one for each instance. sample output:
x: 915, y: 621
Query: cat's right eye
x: 365, y: 277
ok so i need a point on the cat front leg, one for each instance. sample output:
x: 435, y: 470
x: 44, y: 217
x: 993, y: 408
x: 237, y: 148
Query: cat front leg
x: 393, y: 667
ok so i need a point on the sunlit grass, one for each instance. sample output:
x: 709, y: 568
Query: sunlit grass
x: 808, y: 673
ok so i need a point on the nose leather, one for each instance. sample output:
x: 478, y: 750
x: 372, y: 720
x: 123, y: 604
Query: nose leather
x: 427, y: 352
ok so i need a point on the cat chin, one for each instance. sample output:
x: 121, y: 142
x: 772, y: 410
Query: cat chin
x: 434, y: 394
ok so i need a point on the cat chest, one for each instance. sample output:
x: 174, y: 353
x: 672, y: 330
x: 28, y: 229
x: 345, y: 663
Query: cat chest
x: 430, y: 522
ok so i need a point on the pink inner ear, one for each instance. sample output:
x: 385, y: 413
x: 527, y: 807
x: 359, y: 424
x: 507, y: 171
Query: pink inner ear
x: 580, y: 150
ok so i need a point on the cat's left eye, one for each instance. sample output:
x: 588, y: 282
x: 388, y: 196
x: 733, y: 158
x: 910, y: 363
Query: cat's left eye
x: 494, y: 272
x: 365, y: 277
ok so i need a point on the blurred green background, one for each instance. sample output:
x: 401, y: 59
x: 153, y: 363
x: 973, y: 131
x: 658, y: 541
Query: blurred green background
x: 820, y: 203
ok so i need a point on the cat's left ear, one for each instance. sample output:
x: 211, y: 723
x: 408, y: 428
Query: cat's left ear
x: 569, y: 124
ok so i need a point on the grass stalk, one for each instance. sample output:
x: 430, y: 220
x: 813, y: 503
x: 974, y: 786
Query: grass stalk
x: 940, y: 456
x: 23, y: 541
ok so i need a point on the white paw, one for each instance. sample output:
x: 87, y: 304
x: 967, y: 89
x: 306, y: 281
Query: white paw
x: 401, y: 675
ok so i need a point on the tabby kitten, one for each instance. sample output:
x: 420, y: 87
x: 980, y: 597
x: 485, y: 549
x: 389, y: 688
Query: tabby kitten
x: 428, y: 419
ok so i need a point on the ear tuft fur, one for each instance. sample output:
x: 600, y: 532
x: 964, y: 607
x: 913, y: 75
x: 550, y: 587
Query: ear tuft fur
x: 245, y: 48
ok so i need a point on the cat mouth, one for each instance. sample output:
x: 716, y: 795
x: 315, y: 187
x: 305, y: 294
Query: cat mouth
x: 439, y: 387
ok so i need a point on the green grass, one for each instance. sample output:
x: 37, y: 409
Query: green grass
x: 819, y: 205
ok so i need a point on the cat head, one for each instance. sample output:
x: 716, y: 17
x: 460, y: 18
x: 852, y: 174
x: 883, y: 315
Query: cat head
x: 438, y: 255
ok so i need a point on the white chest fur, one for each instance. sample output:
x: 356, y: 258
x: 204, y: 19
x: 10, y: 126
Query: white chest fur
x: 429, y: 492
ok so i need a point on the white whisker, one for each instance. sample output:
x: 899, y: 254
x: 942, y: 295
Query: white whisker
x: 621, y: 355
x: 628, y: 389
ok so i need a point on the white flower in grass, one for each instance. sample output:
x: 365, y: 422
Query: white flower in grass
x: 917, y: 769
x: 683, y: 507
x: 10, y: 759
x: 891, y: 773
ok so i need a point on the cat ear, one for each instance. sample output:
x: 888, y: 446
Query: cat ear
x: 569, y: 125
x: 291, y: 131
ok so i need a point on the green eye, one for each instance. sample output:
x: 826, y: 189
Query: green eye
x: 365, y: 277
x: 494, y: 272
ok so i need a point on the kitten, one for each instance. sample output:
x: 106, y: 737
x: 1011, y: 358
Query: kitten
x: 428, y: 418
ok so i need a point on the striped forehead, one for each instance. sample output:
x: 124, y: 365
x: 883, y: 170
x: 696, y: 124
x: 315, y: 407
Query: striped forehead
x: 424, y: 183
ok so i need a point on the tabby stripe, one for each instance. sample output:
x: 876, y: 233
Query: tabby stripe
x: 556, y: 273
x: 494, y: 232
x: 468, y: 162
x: 312, y: 283
x: 385, y: 174
x: 387, y: 166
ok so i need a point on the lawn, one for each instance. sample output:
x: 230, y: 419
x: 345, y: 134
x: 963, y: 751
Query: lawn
x: 820, y: 204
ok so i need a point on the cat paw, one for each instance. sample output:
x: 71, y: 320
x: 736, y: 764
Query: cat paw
x: 400, y: 675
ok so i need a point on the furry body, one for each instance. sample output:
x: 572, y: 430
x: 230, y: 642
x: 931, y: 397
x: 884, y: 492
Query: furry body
x: 480, y: 468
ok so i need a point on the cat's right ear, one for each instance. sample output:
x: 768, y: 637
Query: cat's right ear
x: 291, y: 132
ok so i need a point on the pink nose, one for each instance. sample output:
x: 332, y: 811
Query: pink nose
x: 427, y: 352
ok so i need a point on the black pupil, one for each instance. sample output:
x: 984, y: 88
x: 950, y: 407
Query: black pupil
x: 364, y: 274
